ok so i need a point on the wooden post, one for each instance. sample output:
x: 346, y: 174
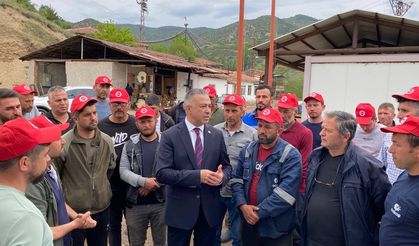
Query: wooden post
x: 240, y: 49
x: 271, y: 46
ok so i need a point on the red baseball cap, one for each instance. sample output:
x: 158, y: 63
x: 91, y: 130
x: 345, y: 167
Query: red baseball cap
x: 287, y: 100
x: 119, y: 95
x: 23, y: 89
x: 79, y: 102
x: 316, y: 96
x: 18, y: 136
x: 234, y: 99
x: 42, y: 122
x: 409, y: 126
x: 211, y: 90
x: 270, y: 115
x: 103, y: 80
x: 412, y: 94
x: 144, y: 111
x: 364, y: 113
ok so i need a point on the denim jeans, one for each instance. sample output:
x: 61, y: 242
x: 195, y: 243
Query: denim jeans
x: 139, y: 217
x: 235, y: 222
x: 97, y: 236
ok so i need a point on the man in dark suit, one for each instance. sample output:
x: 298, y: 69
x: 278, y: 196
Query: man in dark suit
x: 193, y: 163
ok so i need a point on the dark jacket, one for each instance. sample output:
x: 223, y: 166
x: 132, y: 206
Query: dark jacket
x: 277, y: 187
x: 362, y: 191
x: 131, y: 170
x: 186, y: 196
x: 165, y: 121
x: 177, y: 113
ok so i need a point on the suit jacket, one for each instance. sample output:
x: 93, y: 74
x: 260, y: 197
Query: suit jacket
x: 176, y: 167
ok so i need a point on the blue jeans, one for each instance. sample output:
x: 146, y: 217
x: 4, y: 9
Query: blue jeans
x: 235, y: 222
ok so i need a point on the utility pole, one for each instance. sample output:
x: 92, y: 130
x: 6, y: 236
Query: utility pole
x: 400, y: 7
x: 186, y: 27
x: 143, y: 12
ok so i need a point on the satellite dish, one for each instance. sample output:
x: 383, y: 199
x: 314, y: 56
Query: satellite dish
x: 142, y: 77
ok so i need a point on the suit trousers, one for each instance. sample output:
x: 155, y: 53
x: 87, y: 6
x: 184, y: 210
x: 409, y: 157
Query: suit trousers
x: 204, y: 235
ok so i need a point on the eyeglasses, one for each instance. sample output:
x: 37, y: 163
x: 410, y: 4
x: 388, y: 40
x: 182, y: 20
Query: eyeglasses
x: 119, y: 104
x: 334, y: 179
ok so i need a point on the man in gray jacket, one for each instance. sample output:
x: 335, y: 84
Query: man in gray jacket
x: 145, y: 198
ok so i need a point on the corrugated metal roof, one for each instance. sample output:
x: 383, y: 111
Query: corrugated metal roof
x: 375, y: 30
x: 95, y: 49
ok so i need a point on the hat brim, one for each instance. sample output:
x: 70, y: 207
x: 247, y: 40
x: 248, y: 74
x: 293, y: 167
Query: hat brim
x: 234, y: 103
x: 119, y: 100
x: 312, y: 98
x: 145, y: 115
x: 284, y: 105
x: 395, y: 129
x: 50, y: 134
x: 363, y: 120
x: 407, y: 97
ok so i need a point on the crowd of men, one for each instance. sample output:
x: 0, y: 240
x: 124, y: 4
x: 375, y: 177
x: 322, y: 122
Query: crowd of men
x: 215, y: 173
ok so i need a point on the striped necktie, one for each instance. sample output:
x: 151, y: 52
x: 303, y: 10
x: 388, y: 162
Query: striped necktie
x: 199, y: 150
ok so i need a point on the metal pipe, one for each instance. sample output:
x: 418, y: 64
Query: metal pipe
x: 271, y: 45
x: 240, y: 49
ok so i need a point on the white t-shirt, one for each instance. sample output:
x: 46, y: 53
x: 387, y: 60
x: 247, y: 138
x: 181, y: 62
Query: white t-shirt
x: 371, y: 142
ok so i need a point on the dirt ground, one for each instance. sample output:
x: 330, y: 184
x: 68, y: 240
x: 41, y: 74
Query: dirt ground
x: 149, y: 241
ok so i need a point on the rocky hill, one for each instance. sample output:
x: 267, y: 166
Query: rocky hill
x: 22, y: 31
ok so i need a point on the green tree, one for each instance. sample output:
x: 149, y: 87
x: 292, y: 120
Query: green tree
x: 159, y: 48
x: 26, y: 4
x: 179, y: 46
x: 110, y: 32
x: 49, y: 13
x: 182, y: 47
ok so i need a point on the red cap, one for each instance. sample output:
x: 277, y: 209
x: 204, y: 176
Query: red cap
x: 103, y: 80
x: 18, y: 136
x: 144, y: 111
x: 23, y: 89
x: 409, y: 126
x: 316, y: 96
x: 119, y: 95
x: 287, y: 100
x: 211, y: 90
x: 79, y: 102
x: 234, y: 99
x: 42, y: 122
x: 270, y: 115
x: 412, y: 94
x: 364, y: 113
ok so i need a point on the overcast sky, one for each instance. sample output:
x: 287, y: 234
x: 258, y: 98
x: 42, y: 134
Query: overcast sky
x: 209, y: 13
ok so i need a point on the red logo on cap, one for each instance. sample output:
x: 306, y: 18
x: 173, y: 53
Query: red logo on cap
x: 82, y: 98
x: 232, y: 98
x: 118, y: 94
x: 26, y: 87
x: 105, y: 79
x: 313, y: 94
x: 284, y: 99
x: 143, y: 110
x: 362, y: 113
x: 266, y: 112
x: 207, y: 90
